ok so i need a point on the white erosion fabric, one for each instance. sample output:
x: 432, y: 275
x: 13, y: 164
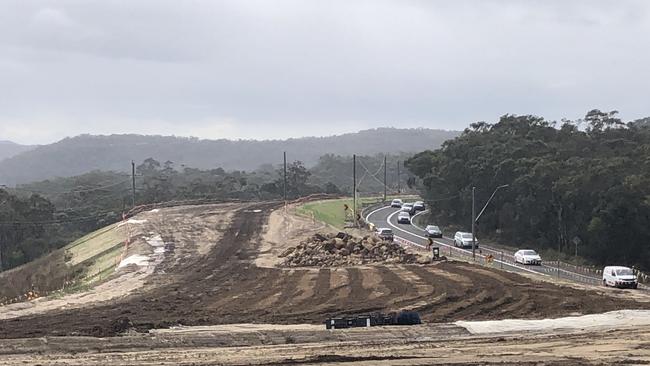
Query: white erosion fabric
x: 151, y: 260
x: 138, y: 260
x: 613, y: 319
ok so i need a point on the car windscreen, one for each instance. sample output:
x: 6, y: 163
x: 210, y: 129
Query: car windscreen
x: 431, y: 227
x: 467, y: 236
x: 387, y: 231
x: 528, y: 252
x: 624, y: 272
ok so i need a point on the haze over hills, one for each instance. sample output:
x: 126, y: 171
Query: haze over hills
x: 84, y: 153
x: 9, y: 149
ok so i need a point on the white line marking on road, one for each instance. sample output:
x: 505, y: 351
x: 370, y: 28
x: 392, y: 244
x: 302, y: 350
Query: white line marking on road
x: 513, y: 265
x: 450, y: 246
x: 377, y: 210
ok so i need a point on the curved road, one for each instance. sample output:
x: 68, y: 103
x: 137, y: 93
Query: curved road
x: 414, y: 235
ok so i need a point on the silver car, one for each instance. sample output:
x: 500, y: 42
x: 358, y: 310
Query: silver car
x: 464, y: 240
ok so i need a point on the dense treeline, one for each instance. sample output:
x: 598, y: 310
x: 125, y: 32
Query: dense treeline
x: 29, y: 239
x: 82, y: 154
x: 337, y: 169
x: 584, y: 183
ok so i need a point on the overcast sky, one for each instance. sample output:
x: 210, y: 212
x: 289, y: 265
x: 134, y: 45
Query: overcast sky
x: 275, y: 69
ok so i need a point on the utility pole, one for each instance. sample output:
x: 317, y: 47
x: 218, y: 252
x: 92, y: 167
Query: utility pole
x: 473, y: 224
x: 284, y: 177
x: 385, y: 196
x: 133, y: 180
x: 398, y: 179
x: 354, y: 189
x: 475, y: 217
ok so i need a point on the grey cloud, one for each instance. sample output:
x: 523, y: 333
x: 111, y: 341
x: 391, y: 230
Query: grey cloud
x: 290, y: 68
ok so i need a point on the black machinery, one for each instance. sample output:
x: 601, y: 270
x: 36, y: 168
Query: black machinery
x: 399, y: 318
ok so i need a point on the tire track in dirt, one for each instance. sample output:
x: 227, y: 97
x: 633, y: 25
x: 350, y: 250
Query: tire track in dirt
x: 290, y: 289
x: 400, y: 291
x: 358, y: 293
x: 440, y: 289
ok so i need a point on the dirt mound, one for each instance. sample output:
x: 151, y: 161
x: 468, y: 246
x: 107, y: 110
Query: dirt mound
x: 345, y: 250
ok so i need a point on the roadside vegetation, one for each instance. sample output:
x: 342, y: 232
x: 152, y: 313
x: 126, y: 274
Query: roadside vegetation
x: 332, y: 212
x: 583, y: 184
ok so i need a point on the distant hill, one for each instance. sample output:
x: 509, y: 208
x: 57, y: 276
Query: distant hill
x: 9, y: 149
x: 81, y: 154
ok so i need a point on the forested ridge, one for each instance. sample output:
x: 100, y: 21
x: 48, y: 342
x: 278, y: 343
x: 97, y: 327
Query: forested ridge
x: 9, y: 149
x: 82, y: 154
x: 584, y: 183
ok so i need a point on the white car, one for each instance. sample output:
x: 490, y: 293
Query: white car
x: 403, y: 218
x: 528, y: 256
x: 397, y: 203
x: 408, y: 207
x: 618, y: 276
x: 384, y: 233
x: 464, y: 240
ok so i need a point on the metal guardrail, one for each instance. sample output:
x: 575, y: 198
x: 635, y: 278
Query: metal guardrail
x: 503, y: 262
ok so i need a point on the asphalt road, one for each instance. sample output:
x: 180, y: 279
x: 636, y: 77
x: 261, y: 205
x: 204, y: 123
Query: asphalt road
x: 413, y: 235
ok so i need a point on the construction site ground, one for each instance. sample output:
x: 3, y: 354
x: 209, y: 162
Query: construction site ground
x: 219, y: 272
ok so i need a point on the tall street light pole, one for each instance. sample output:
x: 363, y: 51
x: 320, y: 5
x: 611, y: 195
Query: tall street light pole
x: 475, y: 217
x: 473, y: 223
x: 354, y: 188
x: 284, y: 178
x: 385, y: 193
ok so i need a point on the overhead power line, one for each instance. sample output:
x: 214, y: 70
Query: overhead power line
x: 374, y: 176
x: 70, y: 191
x: 60, y: 221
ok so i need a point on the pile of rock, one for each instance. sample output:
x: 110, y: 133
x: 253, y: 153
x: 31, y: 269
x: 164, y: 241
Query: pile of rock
x: 345, y: 250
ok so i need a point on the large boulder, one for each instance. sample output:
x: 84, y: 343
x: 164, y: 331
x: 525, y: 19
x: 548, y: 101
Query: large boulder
x: 339, y: 243
x: 286, y: 252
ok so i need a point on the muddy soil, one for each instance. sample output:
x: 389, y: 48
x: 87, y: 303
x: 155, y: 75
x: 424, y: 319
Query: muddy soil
x: 224, y: 286
x: 434, y: 344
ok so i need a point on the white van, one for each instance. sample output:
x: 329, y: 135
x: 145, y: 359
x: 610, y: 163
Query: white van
x: 618, y: 276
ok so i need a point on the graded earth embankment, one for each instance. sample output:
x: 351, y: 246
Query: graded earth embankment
x: 225, y: 286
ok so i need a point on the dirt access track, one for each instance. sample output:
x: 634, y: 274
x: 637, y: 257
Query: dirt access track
x: 222, y: 284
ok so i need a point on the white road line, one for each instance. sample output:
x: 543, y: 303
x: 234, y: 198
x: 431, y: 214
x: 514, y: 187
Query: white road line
x: 488, y: 249
x: 447, y: 245
x: 377, y: 210
x: 546, y: 267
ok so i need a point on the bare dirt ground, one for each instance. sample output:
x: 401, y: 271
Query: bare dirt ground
x: 433, y: 344
x: 285, y: 229
x: 225, y: 285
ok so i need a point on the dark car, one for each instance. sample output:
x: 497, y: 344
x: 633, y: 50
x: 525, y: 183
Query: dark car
x: 419, y: 206
x: 433, y: 231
